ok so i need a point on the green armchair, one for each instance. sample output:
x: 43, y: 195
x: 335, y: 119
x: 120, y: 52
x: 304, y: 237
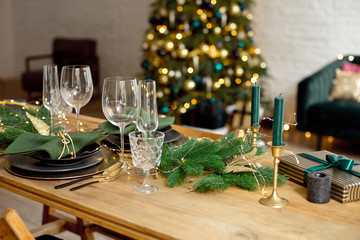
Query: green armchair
x: 316, y: 114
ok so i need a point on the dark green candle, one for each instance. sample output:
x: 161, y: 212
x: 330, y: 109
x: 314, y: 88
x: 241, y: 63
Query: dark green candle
x: 278, y: 121
x: 255, y: 105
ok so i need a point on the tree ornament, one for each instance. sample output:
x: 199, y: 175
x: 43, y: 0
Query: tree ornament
x: 182, y: 53
x: 163, y: 79
x: 195, y: 23
x: 167, y: 91
x: 180, y: 2
x: 239, y: 71
x: 169, y: 46
x: 165, y: 109
x: 217, y: 30
x: 40, y: 126
x: 189, y: 85
x: 218, y: 67
x: 235, y: 9
x: 145, y: 64
x: 161, y: 52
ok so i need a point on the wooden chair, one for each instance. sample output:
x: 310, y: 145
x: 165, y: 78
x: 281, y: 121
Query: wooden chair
x: 13, y: 228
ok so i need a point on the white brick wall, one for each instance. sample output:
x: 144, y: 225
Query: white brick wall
x: 297, y: 37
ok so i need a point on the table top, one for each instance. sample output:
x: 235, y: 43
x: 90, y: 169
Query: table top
x: 177, y: 213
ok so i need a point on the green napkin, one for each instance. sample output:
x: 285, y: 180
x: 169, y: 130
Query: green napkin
x: 31, y: 143
x: 111, y: 129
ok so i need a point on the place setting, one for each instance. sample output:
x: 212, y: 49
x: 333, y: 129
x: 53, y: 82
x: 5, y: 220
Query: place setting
x: 129, y: 141
x: 40, y: 154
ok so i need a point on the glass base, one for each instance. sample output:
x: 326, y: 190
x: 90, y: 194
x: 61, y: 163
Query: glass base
x: 138, y: 171
x: 146, y: 188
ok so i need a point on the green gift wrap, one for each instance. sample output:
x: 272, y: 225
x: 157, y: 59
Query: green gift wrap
x: 345, y: 173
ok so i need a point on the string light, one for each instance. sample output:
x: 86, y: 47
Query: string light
x: 307, y: 134
x: 340, y: 56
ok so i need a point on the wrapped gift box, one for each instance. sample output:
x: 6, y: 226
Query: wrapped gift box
x: 345, y: 187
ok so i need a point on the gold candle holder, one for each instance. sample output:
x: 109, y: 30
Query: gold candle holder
x: 254, y: 131
x: 274, y: 200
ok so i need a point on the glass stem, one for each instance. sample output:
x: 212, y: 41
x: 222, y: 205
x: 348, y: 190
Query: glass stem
x: 122, y: 127
x: 51, y: 123
x: 146, y: 178
x: 77, y: 110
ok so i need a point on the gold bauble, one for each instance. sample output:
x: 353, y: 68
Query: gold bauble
x: 156, y: 61
x: 163, y: 79
x: 239, y: 71
x: 224, y: 53
x: 217, y: 30
x: 160, y: 43
x: 169, y: 46
x: 204, y: 48
x: 235, y: 9
x: 167, y: 91
x: 180, y: 2
x: 150, y: 36
x: 183, y: 53
x: 232, y: 26
x: 189, y: 85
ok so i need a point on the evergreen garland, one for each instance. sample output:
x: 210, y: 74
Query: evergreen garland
x: 204, y: 161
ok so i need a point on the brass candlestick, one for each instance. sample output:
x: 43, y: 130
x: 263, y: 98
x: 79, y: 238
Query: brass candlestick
x: 254, y: 131
x: 274, y: 200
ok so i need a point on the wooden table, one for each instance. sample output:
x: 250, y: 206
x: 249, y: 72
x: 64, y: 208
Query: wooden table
x: 176, y: 213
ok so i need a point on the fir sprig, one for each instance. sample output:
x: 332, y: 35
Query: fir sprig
x: 206, y: 159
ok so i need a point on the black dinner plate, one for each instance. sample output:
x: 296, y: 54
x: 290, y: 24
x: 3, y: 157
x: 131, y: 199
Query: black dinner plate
x: 113, y: 140
x: 83, y: 153
x: 27, y: 163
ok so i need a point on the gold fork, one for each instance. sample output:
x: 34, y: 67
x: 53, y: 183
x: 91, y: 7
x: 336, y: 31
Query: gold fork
x: 110, y: 176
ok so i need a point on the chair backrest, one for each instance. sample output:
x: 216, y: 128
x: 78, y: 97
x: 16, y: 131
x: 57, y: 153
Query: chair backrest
x: 12, y: 227
x: 73, y: 51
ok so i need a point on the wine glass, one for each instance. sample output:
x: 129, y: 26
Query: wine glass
x: 119, y: 104
x: 76, y: 87
x: 147, y: 115
x: 146, y: 154
x: 51, y: 91
x: 62, y: 110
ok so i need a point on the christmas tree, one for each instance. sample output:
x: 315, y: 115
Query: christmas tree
x: 201, y: 51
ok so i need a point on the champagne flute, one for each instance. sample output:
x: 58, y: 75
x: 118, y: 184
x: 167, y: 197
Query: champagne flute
x: 76, y: 87
x: 146, y: 154
x: 51, y: 91
x: 147, y: 114
x: 119, y: 103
